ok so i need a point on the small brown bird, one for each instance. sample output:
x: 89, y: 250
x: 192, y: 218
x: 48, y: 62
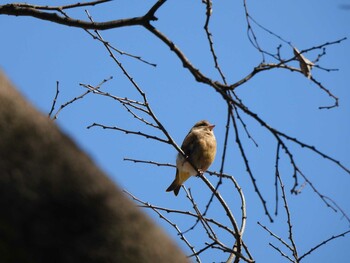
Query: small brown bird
x: 200, y: 149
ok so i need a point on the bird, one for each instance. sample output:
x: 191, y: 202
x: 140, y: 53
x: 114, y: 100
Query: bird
x: 199, y: 147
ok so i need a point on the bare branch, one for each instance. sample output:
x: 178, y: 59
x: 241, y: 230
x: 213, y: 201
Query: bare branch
x: 276, y: 236
x: 209, y: 4
x: 324, y: 243
x: 57, y: 8
x: 147, y: 136
x: 182, y: 237
x: 55, y: 98
x: 79, y: 97
x: 140, y: 109
x: 289, y: 221
x: 34, y: 11
x: 281, y: 252
x: 248, y: 169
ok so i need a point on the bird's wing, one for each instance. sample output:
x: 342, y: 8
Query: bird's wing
x: 188, y: 144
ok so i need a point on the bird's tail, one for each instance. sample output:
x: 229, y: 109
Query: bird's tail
x: 175, y: 186
x: 180, y: 178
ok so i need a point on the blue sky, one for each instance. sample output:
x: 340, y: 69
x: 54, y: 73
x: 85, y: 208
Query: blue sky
x: 35, y: 54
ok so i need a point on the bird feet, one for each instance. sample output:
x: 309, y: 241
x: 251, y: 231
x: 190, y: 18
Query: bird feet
x: 200, y: 173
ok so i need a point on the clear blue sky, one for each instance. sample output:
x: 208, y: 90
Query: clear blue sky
x: 35, y: 54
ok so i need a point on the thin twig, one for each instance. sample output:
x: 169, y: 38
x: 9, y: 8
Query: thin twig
x: 81, y: 96
x: 55, y: 99
x: 182, y: 237
x: 139, y: 133
x: 289, y: 220
x: 248, y: 169
x: 208, y: 12
x: 324, y: 243
x: 57, y: 8
x: 276, y: 236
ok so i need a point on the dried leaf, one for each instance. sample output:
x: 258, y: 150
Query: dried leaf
x: 305, y: 64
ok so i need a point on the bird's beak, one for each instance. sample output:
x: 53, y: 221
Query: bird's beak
x: 211, y: 127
